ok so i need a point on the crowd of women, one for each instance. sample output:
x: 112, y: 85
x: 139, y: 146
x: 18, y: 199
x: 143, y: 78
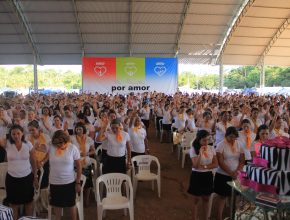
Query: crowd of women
x: 60, y: 133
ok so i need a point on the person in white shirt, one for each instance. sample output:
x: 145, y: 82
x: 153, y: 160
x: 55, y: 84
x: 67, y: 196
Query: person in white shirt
x: 85, y: 144
x: 45, y: 121
x: 4, y: 122
x: 166, y: 124
x: 254, y: 120
x: 118, y: 147
x: 231, y: 159
x: 64, y: 184
x: 190, y: 120
x: 180, y: 119
x: 262, y: 135
x: 145, y: 115
x: 69, y: 118
x: 204, y: 160
x: 276, y: 128
x: 222, y: 126
x: 21, y: 177
x: 40, y: 142
x: 246, y: 138
x: 138, y: 137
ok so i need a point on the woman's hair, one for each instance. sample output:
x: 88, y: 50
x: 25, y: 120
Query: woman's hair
x: 116, y: 121
x: 200, y: 135
x: 60, y: 136
x: 83, y: 117
x: 206, y: 113
x: 231, y: 131
x: 14, y: 127
x: 34, y: 123
x: 57, y: 116
x: 80, y: 125
x: 45, y: 107
x: 223, y: 113
x: 246, y: 121
x: 260, y: 128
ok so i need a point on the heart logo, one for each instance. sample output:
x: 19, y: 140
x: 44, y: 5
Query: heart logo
x: 131, y: 69
x: 100, y: 70
x: 160, y: 70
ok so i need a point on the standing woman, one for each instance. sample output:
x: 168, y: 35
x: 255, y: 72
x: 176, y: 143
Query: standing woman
x: 118, y: 146
x: 262, y: 135
x: 246, y: 138
x: 21, y: 177
x: 85, y: 144
x: 231, y: 159
x: 40, y: 142
x: 204, y: 160
x: 138, y: 137
x: 64, y: 184
x: 145, y: 115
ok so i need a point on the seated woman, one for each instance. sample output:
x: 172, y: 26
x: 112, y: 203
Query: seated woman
x: 231, y: 159
x: 204, y: 160
x: 21, y: 177
x: 85, y: 144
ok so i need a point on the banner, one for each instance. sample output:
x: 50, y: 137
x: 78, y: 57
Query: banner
x: 129, y: 74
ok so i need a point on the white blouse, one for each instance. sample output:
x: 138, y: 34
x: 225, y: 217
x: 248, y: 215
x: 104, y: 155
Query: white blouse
x: 230, y: 159
x: 114, y: 148
x: 62, y: 167
x: 203, y: 160
x: 137, y: 140
x: 242, y: 140
x: 19, y: 161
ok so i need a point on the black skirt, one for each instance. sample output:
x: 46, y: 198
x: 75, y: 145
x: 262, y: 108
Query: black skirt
x: 146, y: 123
x: 63, y: 195
x: 19, y: 190
x: 201, y: 183
x: 166, y: 127
x: 220, y: 184
x: 115, y: 165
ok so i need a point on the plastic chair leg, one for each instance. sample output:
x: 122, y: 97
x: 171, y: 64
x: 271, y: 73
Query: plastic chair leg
x: 183, y: 160
x: 131, y: 213
x: 159, y: 187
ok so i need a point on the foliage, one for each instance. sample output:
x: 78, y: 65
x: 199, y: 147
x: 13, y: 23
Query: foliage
x: 22, y: 77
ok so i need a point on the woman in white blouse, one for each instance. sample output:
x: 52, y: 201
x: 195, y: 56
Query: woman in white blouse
x: 138, y: 137
x: 204, y: 160
x: 222, y: 126
x: 246, y: 138
x: 64, y: 184
x: 21, y: 177
x: 118, y: 147
x: 85, y: 144
x: 231, y: 159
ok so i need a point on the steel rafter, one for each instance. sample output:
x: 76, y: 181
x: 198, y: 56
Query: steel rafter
x: 181, y: 25
x: 232, y: 28
x: 130, y: 26
x: 79, y: 27
x: 16, y: 7
x: 273, y: 40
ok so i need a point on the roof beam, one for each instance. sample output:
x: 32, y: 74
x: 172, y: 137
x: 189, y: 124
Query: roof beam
x: 273, y: 40
x: 130, y: 26
x: 79, y: 27
x: 242, y: 11
x: 16, y: 7
x: 181, y: 25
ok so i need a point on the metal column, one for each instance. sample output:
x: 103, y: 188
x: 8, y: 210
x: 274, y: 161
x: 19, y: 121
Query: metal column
x: 221, y: 78
x: 35, y: 76
x: 262, y: 76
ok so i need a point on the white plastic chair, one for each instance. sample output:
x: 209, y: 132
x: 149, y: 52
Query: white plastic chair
x: 36, y: 198
x: 114, y: 198
x: 144, y: 173
x: 94, y: 177
x: 3, y: 171
x: 79, y: 201
x: 186, y: 144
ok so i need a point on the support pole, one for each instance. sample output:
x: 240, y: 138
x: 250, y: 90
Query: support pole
x: 221, y: 78
x: 35, y: 75
x: 262, y: 75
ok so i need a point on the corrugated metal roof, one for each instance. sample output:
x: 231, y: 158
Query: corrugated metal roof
x: 62, y: 30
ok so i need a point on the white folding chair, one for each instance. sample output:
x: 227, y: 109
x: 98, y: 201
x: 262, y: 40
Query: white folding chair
x: 79, y: 201
x: 36, y: 198
x: 144, y: 173
x: 94, y: 177
x: 3, y: 172
x: 186, y: 143
x: 114, y: 198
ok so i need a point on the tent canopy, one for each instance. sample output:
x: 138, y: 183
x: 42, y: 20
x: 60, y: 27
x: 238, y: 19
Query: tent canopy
x: 195, y: 31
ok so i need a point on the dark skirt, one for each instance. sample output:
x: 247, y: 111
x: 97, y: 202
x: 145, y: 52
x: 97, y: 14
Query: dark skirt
x: 115, y: 165
x: 19, y: 190
x: 166, y: 127
x: 63, y: 195
x: 146, y: 123
x: 44, y: 182
x: 134, y: 154
x: 88, y: 172
x: 220, y: 184
x: 201, y: 183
